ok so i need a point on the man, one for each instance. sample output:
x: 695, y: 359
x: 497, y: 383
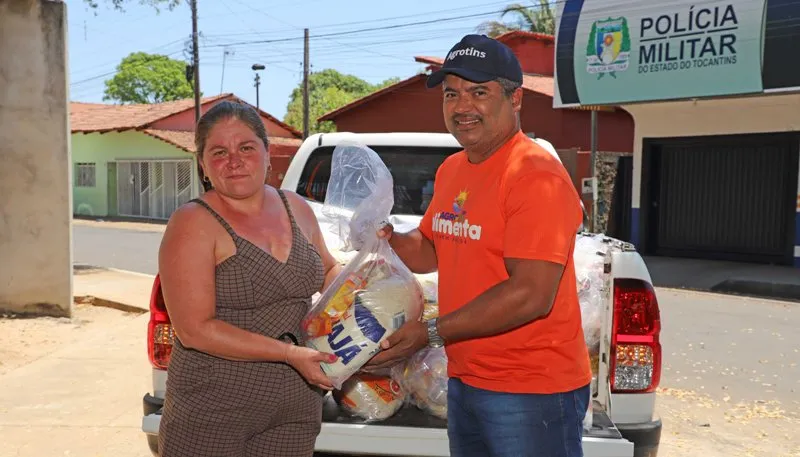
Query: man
x: 501, y: 230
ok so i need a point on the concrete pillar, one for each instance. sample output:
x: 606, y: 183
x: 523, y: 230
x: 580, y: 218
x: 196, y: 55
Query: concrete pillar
x: 35, y: 176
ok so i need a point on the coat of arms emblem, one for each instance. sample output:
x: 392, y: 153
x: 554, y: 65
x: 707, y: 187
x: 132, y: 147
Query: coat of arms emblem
x: 608, y: 48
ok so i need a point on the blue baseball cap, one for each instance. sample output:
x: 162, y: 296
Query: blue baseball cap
x: 479, y: 59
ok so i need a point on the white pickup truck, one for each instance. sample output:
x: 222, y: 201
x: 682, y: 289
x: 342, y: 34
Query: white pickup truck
x: 627, y: 357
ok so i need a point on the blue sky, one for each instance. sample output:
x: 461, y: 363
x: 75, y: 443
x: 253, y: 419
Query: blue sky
x: 99, y: 39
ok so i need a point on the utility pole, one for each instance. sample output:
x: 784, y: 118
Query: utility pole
x: 305, y: 83
x: 196, y: 67
x: 196, y: 63
x: 225, y: 54
x: 256, y: 67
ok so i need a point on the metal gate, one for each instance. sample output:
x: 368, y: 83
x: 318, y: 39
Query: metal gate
x: 153, y: 188
x: 725, y: 198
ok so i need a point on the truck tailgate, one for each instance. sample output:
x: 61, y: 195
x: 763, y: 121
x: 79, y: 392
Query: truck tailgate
x: 412, y: 432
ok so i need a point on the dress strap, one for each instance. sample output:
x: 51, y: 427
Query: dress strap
x: 219, y: 218
x: 288, y: 207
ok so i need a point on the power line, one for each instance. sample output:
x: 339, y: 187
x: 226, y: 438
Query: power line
x: 149, y: 51
x: 368, y: 29
x: 392, y: 18
x: 110, y: 73
x: 336, y: 34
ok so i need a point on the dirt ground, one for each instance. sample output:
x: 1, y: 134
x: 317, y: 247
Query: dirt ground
x: 694, y: 424
x: 23, y: 341
x: 73, y: 387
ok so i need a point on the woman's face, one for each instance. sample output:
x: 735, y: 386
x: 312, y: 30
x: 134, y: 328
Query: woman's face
x: 235, y: 159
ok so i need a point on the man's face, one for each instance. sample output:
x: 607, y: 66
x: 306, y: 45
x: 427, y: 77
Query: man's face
x: 478, y: 114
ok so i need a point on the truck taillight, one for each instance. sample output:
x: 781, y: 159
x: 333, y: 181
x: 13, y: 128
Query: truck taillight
x: 160, y: 334
x: 635, y: 346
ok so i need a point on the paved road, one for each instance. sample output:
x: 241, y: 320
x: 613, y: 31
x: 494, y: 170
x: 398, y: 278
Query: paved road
x: 133, y: 250
x: 727, y: 346
x: 745, y: 348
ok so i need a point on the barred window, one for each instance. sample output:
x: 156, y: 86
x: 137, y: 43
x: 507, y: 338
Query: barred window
x: 85, y: 175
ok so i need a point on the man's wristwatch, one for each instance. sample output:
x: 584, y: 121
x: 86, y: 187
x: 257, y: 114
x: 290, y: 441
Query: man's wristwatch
x: 434, y: 340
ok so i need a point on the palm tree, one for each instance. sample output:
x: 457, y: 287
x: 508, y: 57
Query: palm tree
x: 536, y: 18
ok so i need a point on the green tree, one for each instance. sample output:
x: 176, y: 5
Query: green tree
x: 148, y: 78
x: 328, y: 90
x: 538, y: 17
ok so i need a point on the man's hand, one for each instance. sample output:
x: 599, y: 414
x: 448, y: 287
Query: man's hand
x: 386, y: 231
x: 416, y: 251
x: 400, y: 346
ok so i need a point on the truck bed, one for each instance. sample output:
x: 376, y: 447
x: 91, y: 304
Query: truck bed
x: 416, y: 433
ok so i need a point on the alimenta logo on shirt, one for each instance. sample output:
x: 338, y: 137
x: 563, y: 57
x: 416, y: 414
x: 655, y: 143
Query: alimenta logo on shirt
x: 456, y: 224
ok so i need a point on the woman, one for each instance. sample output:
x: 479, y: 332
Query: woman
x: 238, y: 269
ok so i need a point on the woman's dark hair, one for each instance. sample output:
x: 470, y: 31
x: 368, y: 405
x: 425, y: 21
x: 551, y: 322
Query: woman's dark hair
x: 225, y: 110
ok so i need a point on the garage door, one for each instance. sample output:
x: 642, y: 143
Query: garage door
x: 724, y: 198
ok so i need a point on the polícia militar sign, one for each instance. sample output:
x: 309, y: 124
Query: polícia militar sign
x: 612, y: 51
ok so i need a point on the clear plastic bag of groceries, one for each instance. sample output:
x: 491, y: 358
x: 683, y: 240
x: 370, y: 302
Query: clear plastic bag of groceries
x: 430, y: 292
x: 424, y: 380
x: 375, y: 294
x: 589, y: 257
x: 370, y: 397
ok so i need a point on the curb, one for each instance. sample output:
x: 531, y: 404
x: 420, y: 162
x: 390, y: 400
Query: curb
x: 749, y: 287
x: 128, y: 272
x: 95, y: 301
x: 87, y: 268
x: 132, y: 225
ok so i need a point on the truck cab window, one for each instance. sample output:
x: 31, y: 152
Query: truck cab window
x: 413, y: 170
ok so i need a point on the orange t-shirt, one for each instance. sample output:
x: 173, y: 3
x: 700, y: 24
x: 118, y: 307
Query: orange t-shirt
x: 519, y: 203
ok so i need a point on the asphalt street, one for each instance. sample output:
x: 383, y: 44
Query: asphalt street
x: 735, y: 349
x: 132, y: 250
x: 729, y: 347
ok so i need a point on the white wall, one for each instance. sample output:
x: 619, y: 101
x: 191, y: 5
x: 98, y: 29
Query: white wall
x: 764, y: 114
x: 35, y: 203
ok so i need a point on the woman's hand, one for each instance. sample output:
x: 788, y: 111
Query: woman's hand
x: 306, y: 361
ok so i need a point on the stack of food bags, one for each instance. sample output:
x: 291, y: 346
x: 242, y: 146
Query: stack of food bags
x: 589, y: 257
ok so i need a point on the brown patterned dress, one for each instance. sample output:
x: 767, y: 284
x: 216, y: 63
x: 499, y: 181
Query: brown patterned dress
x: 217, y: 407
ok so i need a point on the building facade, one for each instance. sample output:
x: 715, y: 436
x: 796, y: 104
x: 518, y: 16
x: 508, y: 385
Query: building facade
x: 139, y: 160
x: 716, y: 107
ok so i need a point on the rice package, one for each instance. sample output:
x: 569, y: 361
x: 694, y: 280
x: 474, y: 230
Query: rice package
x: 372, y: 398
x: 375, y: 294
x: 424, y: 379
